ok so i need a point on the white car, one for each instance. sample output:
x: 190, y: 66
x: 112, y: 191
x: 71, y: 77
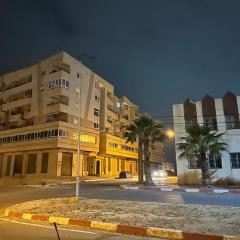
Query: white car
x: 159, y: 173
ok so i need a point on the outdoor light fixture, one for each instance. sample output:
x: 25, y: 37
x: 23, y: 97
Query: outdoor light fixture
x: 170, y: 133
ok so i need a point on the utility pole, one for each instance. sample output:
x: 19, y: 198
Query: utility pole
x: 78, y: 140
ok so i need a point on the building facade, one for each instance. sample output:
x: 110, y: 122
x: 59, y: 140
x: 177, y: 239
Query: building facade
x: 221, y: 115
x: 39, y: 114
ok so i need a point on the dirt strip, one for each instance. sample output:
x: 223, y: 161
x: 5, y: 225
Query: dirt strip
x: 193, y: 218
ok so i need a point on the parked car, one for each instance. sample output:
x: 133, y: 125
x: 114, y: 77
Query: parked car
x: 159, y: 173
x: 170, y: 173
x: 125, y: 174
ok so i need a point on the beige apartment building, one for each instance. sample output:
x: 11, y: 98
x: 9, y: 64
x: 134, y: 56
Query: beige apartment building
x: 39, y: 114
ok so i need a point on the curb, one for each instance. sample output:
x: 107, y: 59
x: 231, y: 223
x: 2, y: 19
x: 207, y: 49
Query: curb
x: 121, y: 228
x: 181, y: 189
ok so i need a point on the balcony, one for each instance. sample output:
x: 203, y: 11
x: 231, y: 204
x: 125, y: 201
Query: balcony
x: 58, y: 75
x: 17, y: 83
x: 60, y: 116
x: 57, y: 107
x: 17, y: 103
x: 124, y: 119
x: 16, y: 90
x: 112, y: 113
x: 27, y: 115
x: 15, y: 117
x: 110, y: 96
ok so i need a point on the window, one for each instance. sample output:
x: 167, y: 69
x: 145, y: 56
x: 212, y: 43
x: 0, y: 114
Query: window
x: 235, y: 160
x: 31, y: 136
x: 97, y: 98
x: 109, y: 164
x: 214, y: 162
x: 232, y: 122
x: 211, y: 123
x: 29, y: 79
x: 122, y: 165
x: 193, y: 164
x: 52, y: 117
x: 58, y: 83
x: 128, y: 148
x: 28, y: 93
x: 18, y: 163
x: 31, y: 163
x: 96, y: 112
x: 97, y: 85
x: 96, y: 125
x: 87, y: 138
x: 8, y: 168
x: 44, y: 166
x: 118, y: 164
x: 112, y: 144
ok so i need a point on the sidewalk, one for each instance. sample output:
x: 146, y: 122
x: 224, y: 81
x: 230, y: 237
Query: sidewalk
x: 177, y: 188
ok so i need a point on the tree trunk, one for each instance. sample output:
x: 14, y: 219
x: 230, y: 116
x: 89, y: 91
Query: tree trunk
x: 147, y: 166
x: 206, y: 181
x: 140, y: 163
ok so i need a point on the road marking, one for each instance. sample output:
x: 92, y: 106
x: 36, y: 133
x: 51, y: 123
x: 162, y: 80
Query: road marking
x: 45, y: 226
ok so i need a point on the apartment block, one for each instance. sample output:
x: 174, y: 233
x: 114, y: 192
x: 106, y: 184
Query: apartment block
x: 39, y: 112
x: 220, y: 115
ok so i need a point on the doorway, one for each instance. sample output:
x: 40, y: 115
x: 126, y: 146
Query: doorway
x: 97, y: 167
x: 66, y: 169
x: 18, y: 165
x: 131, y: 168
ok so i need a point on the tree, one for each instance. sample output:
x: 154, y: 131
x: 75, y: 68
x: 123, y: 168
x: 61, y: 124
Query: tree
x: 147, y: 132
x: 198, y: 145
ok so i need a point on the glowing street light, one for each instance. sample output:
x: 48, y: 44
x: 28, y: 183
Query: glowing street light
x: 170, y: 133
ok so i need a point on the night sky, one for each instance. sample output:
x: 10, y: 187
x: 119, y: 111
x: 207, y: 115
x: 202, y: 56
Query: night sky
x: 153, y: 51
x: 156, y: 52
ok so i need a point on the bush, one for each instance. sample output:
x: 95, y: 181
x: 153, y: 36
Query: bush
x: 227, y: 181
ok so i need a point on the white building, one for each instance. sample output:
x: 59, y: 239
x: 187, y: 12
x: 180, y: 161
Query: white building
x: 221, y: 115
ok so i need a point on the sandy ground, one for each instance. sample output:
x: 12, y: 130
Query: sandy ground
x: 194, y: 218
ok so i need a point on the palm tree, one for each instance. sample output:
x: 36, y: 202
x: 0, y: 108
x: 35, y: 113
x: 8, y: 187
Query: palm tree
x: 198, y: 144
x: 147, y: 132
x: 153, y: 134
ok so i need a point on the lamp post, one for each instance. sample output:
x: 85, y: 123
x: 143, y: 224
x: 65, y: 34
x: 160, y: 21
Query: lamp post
x: 78, y: 142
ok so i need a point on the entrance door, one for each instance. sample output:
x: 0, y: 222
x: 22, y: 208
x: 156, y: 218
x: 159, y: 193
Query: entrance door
x: 97, y: 167
x: 131, y: 168
x: 1, y: 165
x: 66, y: 169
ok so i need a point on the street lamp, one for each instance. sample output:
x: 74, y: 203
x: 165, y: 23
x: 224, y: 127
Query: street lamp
x: 78, y: 142
x: 170, y: 133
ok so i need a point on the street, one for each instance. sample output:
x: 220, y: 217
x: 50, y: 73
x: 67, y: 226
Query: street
x: 108, y: 190
x: 100, y: 190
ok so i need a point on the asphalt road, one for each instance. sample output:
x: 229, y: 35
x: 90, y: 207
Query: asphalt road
x: 100, y: 190
x: 108, y: 190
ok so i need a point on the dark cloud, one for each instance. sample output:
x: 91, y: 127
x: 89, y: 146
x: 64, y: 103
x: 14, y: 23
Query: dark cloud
x: 156, y: 52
